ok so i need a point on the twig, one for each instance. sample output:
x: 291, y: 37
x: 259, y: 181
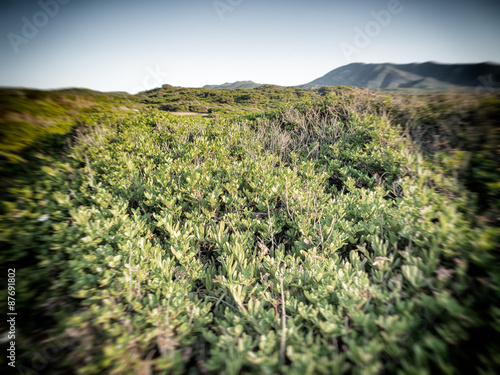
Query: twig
x: 130, y: 280
x: 286, y: 201
x: 270, y: 224
x: 283, y: 325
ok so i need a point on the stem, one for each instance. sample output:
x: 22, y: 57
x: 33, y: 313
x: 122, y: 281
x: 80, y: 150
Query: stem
x: 283, y: 325
x: 130, y: 280
x: 270, y: 225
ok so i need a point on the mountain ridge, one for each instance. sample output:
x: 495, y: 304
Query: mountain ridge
x: 428, y: 75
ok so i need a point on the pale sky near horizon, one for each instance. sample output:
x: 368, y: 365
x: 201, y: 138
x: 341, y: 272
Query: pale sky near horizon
x: 132, y: 45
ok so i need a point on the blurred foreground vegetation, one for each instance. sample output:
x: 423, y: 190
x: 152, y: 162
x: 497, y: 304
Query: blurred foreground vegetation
x: 322, y: 231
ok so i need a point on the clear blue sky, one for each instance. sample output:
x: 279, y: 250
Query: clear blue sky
x: 129, y: 45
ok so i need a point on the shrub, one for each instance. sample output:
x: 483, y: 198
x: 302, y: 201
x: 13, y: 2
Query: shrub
x: 314, y: 239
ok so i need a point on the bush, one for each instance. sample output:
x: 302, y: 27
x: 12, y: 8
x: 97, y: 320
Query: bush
x: 314, y: 239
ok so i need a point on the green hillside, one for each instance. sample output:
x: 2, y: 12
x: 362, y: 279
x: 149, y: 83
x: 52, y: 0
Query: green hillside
x: 28, y: 115
x: 290, y: 231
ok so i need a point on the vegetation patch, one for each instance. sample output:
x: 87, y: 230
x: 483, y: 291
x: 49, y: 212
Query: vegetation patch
x: 315, y: 236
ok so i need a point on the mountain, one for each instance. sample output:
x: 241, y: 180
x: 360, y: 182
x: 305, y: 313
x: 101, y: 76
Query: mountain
x: 234, y: 85
x: 429, y: 75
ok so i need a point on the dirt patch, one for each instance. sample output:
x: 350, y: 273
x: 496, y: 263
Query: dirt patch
x: 188, y: 114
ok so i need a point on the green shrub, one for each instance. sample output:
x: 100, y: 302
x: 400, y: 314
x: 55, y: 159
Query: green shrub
x: 314, y: 239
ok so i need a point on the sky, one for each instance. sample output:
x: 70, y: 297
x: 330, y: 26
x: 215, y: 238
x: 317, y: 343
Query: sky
x: 132, y: 45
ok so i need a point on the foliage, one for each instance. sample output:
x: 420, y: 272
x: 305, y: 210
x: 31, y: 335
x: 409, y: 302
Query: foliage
x: 265, y: 97
x: 312, y: 238
x: 28, y: 116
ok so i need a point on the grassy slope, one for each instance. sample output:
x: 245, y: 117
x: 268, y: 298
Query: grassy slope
x: 257, y: 244
x: 28, y: 116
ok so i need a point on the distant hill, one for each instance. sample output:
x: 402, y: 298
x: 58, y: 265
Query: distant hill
x: 427, y: 75
x: 234, y: 85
